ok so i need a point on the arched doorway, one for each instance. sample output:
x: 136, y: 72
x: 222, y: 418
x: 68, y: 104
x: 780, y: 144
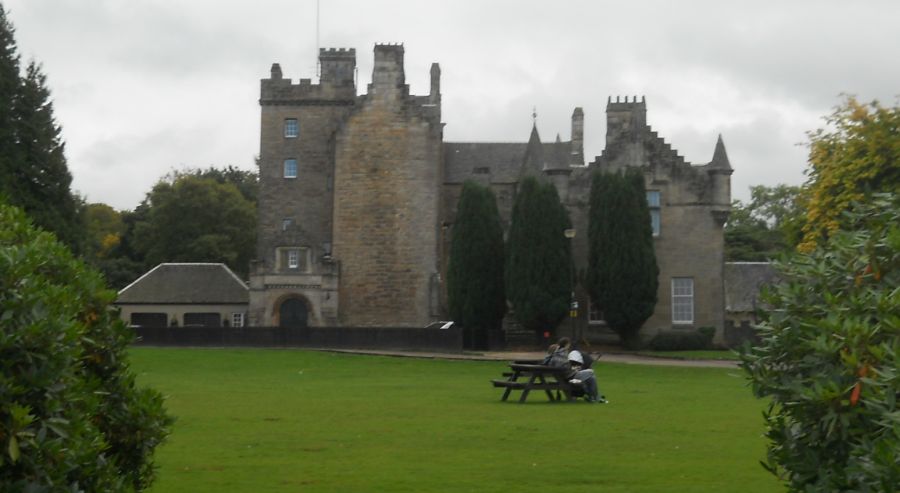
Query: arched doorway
x: 293, y: 314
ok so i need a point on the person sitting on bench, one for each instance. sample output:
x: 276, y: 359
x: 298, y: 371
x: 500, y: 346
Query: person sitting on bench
x: 586, y: 377
x: 559, y: 355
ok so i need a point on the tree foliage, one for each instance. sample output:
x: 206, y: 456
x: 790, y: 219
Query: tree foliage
x: 857, y: 156
x: 34, y: 174
x: 475, y: 288
x: 104, y: 227
x: 539, y: 266
x: 246, y: 182
x: 829, y: 358
x: 622, y: 276
x: 71, y: 416
x: 770, y: 225
x: 196, y: 219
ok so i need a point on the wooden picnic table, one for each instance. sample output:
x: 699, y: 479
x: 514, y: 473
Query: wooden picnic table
x: 528, y: 376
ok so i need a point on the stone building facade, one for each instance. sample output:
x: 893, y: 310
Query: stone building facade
x: 358, y: 197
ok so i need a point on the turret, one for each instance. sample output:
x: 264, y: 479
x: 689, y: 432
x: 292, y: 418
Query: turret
x: 533, y: 164
x: 338, y: 66
x: 720, y: 170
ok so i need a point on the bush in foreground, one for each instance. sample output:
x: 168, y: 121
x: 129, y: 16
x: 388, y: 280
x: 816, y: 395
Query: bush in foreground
x: 829, y: 359
x: 71, y: 416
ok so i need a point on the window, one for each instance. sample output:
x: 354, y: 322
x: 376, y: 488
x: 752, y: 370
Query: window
x: 286, y: 223
x: 293, y: 259
x: 290, y: 168
x: 653, y: 204
x: 291, y: 128
x: 237, y: 319
x: 682, y: 300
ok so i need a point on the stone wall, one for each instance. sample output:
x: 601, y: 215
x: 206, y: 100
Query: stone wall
x: 694, y: 202
x: 387, y: 196
x: 305, y: 201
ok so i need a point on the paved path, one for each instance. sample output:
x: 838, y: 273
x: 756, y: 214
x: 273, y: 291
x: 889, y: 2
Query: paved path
x: 631, y: 359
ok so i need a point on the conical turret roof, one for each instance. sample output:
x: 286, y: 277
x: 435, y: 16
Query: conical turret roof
x: 720, y: 157
x: 534, y: 154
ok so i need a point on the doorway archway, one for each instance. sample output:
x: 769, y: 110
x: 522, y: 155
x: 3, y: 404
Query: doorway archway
x: 293, y: 314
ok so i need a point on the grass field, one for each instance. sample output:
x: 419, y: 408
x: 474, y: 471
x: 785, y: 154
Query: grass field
x: 290, y: 420
x: 723, y: 354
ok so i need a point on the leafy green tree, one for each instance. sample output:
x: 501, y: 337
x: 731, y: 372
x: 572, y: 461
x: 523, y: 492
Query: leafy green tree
x: 247, y: 182
x: 122, y: 264
x: 859, y: 155
x: 748, y: 238
x: 622, y: 276
x: 104, y: 230
x: 475, y: 289
x: 829, y: 357
x: 71, y: 415
x: 770, y: 225
x: 196, y: 220
x: 538, y: 271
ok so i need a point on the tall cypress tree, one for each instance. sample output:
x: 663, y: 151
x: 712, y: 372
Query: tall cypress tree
x: 622, y: 276
x: 539, y: 258
x: 475, y: 290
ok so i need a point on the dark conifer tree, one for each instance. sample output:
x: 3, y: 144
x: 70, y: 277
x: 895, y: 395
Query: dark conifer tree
x: 475, y: 289
x: 539, y: 258
x: 9, y: 93
x: 622, y: 275
x: 33, y: 170
x: 41, y: 175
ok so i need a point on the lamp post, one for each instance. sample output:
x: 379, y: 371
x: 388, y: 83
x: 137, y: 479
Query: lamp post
x: 573, y: 304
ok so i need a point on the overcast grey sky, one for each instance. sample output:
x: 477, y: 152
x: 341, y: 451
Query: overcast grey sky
x: 142, y: 87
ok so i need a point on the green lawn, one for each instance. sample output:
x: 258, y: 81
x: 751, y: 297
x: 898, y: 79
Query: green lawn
x: 713, y: 354
x: 290, y: 420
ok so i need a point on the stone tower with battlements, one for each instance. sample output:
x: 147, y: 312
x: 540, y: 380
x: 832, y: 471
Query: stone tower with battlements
x: 350, y: 188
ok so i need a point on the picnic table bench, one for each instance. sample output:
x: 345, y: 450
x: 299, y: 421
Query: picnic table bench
x: 529, y: 375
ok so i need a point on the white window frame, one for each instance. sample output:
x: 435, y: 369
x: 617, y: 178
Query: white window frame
x: 290, y: 168
x: 237, y: 319
x: 653, y: 203
x: 286, y: 223
x: 292, y: 259
x: 683, y: 300
x: 291, y: 128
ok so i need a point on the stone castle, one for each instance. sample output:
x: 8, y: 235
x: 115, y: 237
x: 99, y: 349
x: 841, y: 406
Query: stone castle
x: 358, y: 196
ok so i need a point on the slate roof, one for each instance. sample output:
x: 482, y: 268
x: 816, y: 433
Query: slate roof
x: 720, y: 157
x: 743, y: 281
x: 502, y: 160
x: 183, y: 283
